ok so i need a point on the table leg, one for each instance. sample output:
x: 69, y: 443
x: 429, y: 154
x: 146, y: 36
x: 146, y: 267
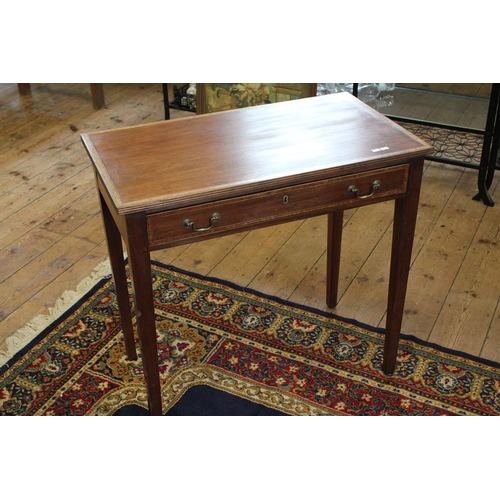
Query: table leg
x: 335, y: 222
x: 115, y: 250
x: 140, y: 267
x: 97, y: 91
x: 24, y: 88
x: 405, y: 215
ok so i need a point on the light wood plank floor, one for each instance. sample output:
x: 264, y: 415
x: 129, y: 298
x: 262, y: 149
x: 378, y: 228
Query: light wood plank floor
x: 51, y: 234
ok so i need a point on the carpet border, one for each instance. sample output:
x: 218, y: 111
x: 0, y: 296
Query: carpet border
x: 100, y: 276
x: 328, y: 315
x: 175, y: 388
x: 102, y: 273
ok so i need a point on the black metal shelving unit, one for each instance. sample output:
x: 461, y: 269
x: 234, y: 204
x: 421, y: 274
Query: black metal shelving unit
x: 176, y: 102
x: 490, y: 135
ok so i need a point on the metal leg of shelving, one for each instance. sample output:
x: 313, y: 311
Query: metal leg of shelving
x: 164, y: 87
x: 490, y: 148
x: 493, y: 159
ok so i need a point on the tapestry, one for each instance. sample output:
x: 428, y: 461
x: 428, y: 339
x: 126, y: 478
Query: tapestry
x: 288, y: 358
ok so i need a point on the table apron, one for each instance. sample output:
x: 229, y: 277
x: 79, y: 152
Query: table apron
x: 185, y: 225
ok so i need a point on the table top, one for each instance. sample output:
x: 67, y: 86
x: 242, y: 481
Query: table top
x: 202, y: 158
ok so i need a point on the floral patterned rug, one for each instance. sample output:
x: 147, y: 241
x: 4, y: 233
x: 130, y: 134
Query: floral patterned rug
x: 279, y: 355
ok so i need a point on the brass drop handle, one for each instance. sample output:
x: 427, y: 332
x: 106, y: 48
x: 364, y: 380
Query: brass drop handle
x: 188, y: 223
x: 353, y: 189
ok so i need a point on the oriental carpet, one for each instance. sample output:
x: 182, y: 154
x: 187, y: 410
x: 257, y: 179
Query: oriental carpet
x: 237, y: 343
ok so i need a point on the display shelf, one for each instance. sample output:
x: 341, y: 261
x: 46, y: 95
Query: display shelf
x: 471, y: 141
x: 179, y: 100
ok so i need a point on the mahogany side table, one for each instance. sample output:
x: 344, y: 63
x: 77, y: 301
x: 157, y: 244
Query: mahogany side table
x: 175, y: 182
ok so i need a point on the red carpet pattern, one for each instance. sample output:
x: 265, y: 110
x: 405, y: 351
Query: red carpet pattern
x: 287, y: 357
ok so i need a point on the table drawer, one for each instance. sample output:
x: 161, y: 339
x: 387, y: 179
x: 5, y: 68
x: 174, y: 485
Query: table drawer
x: 293, y: 202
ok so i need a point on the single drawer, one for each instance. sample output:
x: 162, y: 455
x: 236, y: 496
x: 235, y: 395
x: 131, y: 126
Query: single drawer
x: 277, y: 205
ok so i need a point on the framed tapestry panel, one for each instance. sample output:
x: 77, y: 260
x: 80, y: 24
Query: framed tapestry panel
x: 212, y: 97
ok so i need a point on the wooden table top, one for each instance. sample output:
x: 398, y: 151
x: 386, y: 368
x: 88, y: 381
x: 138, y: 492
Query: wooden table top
x: 173, y: 164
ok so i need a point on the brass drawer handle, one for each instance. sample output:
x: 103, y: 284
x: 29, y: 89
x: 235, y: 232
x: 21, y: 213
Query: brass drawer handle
x: 188, y: 223
x: 355, y: 190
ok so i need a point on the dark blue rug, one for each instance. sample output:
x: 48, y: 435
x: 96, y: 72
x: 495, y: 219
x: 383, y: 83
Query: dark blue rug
x: 203, y: 400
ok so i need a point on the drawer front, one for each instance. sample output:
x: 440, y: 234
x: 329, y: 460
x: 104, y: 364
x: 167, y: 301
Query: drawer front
x: 277, y: 205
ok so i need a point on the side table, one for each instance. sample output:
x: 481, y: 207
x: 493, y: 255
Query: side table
x: 176, y: 182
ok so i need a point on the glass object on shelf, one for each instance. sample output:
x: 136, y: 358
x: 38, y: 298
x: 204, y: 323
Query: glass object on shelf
x: 367, y: 92
x: 191, y: 96
x: 383, y: 87
x: 328, y: 88
x: 382, y: 102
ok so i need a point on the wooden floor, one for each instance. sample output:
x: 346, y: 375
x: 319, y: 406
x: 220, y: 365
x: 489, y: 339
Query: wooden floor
x: 51, y: 234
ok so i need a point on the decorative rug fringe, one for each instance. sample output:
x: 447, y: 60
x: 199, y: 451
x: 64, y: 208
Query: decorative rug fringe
x: 30, y: 330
